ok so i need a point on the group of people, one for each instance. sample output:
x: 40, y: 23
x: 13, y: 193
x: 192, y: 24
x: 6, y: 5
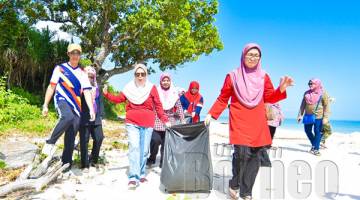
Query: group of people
x: 150, y: 109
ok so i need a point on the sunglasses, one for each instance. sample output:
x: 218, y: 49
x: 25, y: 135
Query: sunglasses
x: 310, y: 83
x: 143, y: 74
x: 75, y: 53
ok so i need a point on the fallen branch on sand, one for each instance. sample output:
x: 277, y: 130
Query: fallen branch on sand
x: 36, y: 176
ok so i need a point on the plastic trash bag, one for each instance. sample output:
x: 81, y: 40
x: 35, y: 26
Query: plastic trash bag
x: 187, y: 160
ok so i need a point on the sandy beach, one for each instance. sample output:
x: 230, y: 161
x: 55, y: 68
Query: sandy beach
x: 333, y: 175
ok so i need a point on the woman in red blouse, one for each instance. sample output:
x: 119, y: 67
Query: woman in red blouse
x: 142, y: 105
x: 248, y: 87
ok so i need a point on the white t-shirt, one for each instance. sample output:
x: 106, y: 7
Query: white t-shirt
x: 70, y: 83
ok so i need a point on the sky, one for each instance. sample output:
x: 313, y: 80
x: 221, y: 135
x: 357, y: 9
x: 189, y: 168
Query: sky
x: 303, y: 39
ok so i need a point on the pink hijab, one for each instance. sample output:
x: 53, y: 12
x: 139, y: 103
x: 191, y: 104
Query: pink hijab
x: 168, y: 97
x: 312, y: 96
x: 248, y: 83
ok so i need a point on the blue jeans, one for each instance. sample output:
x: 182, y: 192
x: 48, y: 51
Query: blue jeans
x: 139, y: 147
x: 314, y: 139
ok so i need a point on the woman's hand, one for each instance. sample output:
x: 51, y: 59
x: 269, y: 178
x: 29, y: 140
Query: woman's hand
x: 285, y: 82
x: 167, y: 124
x: 299, y: 120
x: 105, y: 89
x: 208, y: 119
x: 325, y: 121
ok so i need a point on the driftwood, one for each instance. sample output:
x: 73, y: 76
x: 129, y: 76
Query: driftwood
x: 36, y: 184
x: 36, y: 176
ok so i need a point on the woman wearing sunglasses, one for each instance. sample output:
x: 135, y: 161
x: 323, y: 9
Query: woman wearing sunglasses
x: 143, y: 104
x: 314, y: 112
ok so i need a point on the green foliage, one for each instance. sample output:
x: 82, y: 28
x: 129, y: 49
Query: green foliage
x: 14, y: 108
x: 113, y: 111
x: 31, y: 98
x: 16, y: 111
x: 27, y: 55
x: 2, y: 164
x: 166, y: 32
x: 85, y: 62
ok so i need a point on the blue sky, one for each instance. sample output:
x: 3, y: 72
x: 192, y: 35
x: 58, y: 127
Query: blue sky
x: 304, y: 40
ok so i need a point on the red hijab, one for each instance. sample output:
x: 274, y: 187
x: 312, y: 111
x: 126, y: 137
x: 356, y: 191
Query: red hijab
x: 193, y: 99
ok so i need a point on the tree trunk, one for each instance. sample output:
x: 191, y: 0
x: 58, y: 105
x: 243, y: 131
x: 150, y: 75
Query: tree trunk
x: 44, y: 84
x: 9, y: 77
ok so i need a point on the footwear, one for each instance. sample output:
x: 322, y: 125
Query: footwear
x: 247, y: 198
x: 143, y: 180
x: 48, y: 149
x: 312, y: 150
x: 67, y: 169
x: 233, y: 194
x: 149, y: 163
x: 132, y: 185
x: 316, y: 153
x: 323, y: 146
x: 273, y: 148
x: 85, y: 170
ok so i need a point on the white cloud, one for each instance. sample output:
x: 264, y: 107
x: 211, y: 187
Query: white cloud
x: 56, y: 27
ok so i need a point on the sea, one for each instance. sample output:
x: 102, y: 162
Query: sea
x: 338, y: 126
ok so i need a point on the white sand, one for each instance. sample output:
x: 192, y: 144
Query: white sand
x: 343, y: 152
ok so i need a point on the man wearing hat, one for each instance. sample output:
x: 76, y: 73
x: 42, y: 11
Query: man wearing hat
x: 68, y: 82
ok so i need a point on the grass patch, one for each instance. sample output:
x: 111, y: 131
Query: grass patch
x: 120, y: 145
x: 2, y: 164
x: 40, y: 127
x: 9, y: 175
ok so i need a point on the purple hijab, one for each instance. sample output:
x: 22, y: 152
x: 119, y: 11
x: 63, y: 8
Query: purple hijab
x: 312, y: 96
x: 248, y: 83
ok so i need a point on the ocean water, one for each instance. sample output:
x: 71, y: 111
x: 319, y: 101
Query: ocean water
x: 339, y: 126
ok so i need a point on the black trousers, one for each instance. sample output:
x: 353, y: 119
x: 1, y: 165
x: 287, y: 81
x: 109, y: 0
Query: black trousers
x: 272, y: 131
x: 68, y: 123
x: 157, y: 139
x: 245, y: 167
x: 96, y: 133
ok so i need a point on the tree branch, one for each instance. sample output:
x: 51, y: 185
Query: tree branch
x: 116, y: 70
x: 117, y: 42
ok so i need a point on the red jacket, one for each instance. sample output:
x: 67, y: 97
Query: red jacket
x: 248, y: 127
x: 144, y: 114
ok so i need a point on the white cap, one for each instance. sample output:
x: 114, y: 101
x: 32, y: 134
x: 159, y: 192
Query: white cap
x: 73, y: 47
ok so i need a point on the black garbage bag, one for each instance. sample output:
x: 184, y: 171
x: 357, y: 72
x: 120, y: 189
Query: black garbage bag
x: 187, y: 160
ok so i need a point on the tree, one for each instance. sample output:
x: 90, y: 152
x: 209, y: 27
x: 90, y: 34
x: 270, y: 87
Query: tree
x: 27, y: 55
x: 167, y: 33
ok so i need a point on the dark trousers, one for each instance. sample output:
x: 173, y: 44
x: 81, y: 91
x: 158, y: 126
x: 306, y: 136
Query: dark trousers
x: 245, y: 167
x: 272, y: 131
x: 157, y: 139
x: 314, y: 138
x: 69, y: 123
x: 96, y: 133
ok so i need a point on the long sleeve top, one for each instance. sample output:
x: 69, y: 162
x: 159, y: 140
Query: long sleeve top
x: 144, y: 114
x: 174, y: 115
x: 323, y: 110
x: 248, y: 126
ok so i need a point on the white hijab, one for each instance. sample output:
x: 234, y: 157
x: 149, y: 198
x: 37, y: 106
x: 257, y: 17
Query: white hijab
x: 168, y: 97
x: 137, y: 94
